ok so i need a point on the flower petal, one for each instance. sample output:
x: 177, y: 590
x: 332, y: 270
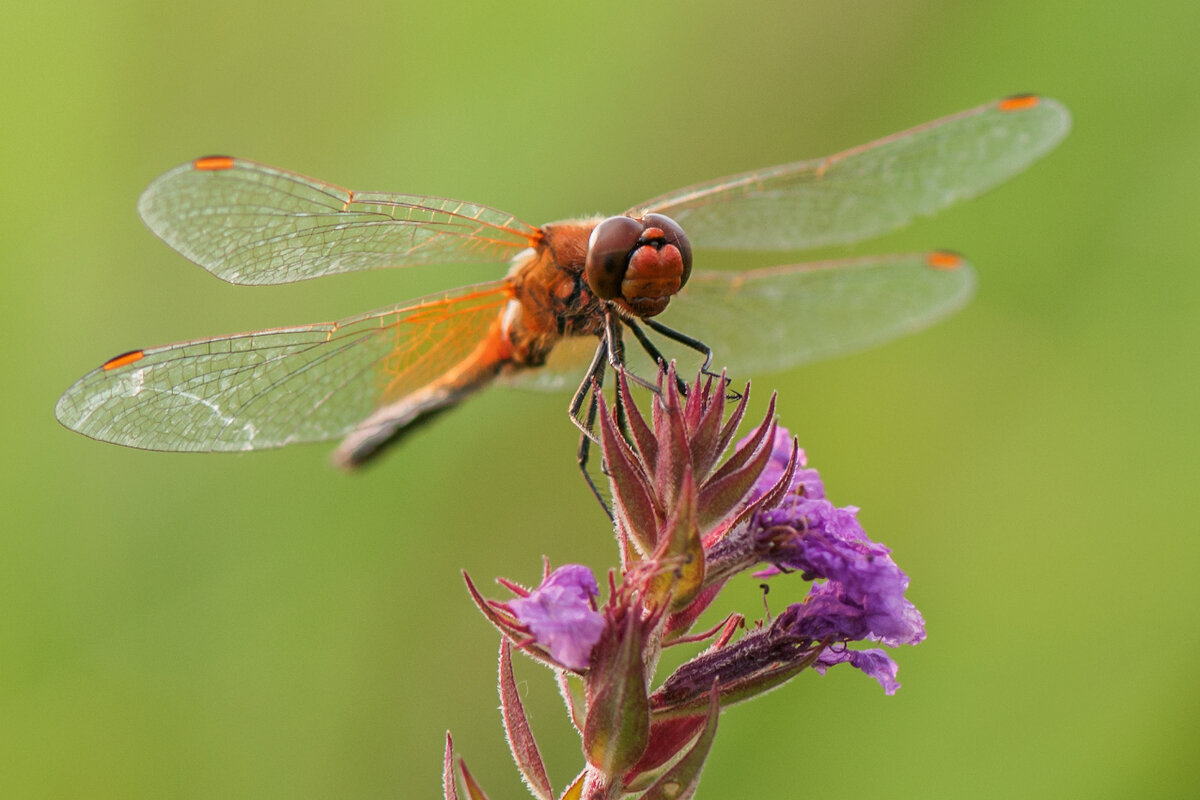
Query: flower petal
x: 560, y: 614
x: 875, y: 663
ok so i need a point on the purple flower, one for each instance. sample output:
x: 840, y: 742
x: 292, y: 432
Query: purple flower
x: 805, y: 481
x: 560, y: 614
x: 875, y: 663
x: 812, y: 633
x: 830, y: 612
x: 863, y: 597
x: 804, y: 532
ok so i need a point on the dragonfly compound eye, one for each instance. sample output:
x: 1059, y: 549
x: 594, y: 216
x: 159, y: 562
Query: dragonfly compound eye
x: 673, y: 235
x: 658, y: 267
x: 609, y: 249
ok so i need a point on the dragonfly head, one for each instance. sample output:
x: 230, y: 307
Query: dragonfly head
x: 640, y: 262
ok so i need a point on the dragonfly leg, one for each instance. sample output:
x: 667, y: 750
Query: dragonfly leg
x: 685, y: 340
x: 591, y: 379
x: 692, y: 343
x: 589, y: 388
x: 584, y: 451
x: 617, y: 349
x: 656, y: 354
x: 610, y: 352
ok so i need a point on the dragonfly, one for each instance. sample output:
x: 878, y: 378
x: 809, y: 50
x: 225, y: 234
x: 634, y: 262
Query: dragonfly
x: 571, y: 291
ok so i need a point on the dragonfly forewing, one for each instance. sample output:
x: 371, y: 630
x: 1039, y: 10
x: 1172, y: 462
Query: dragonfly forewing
x: 872, y: 189
x: 248, y: 223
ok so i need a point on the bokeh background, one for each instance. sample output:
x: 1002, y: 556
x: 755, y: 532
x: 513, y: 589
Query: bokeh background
x: 264, y: 626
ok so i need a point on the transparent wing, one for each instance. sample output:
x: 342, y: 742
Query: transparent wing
x: 568, y: 362
x: 271, y: 388
x: 563, y: 370
x: 253, y: 224
x: 771, y: 319
x: 871, y: 189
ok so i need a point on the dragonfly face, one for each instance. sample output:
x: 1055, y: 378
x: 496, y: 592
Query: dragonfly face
x: 639, y: 263
x: 370, y: 378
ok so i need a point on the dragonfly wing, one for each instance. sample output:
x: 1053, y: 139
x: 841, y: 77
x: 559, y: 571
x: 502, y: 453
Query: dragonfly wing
x: 872, y: 189
x: 249, y: 223
x: 568, y: 363
x: 771, y: 319
x: 563, y: 370
x: 276, y: 387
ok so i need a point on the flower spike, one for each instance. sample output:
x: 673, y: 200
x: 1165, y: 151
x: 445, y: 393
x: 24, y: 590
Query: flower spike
x: 687, y: 523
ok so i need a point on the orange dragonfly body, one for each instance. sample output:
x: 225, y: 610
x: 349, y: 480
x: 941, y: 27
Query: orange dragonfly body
x: 371, y: 378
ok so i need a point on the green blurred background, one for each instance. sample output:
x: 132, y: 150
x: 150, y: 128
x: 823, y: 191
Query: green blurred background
x: 264, y: 626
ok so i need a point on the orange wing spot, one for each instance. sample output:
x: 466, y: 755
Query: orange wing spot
x: 1018, y: 102
x: 213, y: 163
x: 122, y: 360
x: 349, y: 199
x: 944, y: 259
